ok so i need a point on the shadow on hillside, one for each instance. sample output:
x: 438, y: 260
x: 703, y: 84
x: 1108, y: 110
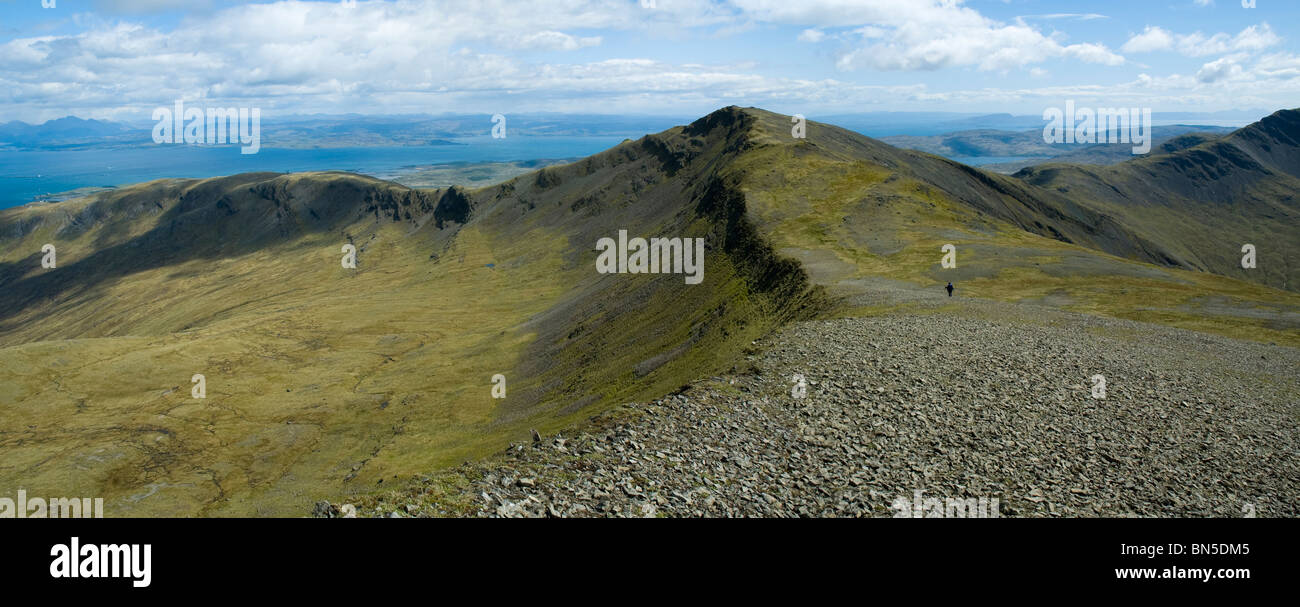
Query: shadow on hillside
x: 213, y: 219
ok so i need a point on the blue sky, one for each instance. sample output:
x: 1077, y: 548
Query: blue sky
x: 119, y: 59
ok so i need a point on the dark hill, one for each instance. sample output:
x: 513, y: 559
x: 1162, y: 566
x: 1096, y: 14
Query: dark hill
x: 1202, y: 203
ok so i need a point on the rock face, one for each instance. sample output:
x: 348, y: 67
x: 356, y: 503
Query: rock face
x: 959, y: 404
x: 325, y: 510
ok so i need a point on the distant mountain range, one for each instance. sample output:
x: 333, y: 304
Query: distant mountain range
x: 338, y: 131
x: 1030, y: 146
x: 945, y: 133
x: 69, y: 131
x: 886, y: 124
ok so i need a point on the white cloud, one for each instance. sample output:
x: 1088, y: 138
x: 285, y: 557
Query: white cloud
x: 1154, y: 38
x: 559, y: 41
x: 811, y: 35
x: 1074, y: 16
x: 1280, y: 66
x: 417, y: 56
x: 926, y: 34
x: 1222, y: 69
x: 1093, y: 53
x: 312, y: 51
x: 148, y: 6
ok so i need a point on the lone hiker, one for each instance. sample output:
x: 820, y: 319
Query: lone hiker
x: 949, y: 287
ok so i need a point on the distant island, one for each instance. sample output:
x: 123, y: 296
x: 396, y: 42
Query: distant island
x: 326, y: 132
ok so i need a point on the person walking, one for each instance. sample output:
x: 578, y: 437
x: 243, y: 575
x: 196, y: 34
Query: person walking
x: 949, y: 287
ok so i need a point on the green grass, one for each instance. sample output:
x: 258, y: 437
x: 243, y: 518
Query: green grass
x: 311, y: 371
x: 817, y: 204
x: 325, y: 383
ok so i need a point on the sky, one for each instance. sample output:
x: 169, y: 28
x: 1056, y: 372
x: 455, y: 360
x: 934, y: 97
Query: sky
x: 120, y: 59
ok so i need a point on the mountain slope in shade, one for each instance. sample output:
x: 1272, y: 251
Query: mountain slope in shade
x: 323, y: 380
x: 1204, y: 202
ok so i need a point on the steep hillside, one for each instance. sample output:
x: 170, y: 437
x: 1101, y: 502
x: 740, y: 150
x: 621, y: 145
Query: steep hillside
x: 1203, y: 203
x: 864, y: 217
x: 323, y: 380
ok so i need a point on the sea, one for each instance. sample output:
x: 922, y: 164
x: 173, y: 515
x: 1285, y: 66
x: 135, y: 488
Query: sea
x: 978, y: 161
x: 31, y: 175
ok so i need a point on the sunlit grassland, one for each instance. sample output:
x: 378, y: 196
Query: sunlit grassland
x: 325, y: 382
x: 813, y: 205
x: 318, y: 377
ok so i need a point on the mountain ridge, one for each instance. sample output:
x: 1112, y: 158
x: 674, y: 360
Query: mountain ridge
x: 1241, y: 186
x: 326, y: 380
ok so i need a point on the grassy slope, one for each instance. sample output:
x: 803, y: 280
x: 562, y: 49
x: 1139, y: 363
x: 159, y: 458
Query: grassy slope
x: 852, y: 221
x: 324, y: 381
x: 314, y: 373
x: 1202, y: 203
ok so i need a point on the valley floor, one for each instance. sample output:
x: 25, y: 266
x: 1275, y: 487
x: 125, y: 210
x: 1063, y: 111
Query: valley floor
x: 952, y: 398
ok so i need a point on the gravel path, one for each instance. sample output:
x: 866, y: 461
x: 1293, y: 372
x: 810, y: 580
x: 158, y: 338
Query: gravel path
x: 976, y: 401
